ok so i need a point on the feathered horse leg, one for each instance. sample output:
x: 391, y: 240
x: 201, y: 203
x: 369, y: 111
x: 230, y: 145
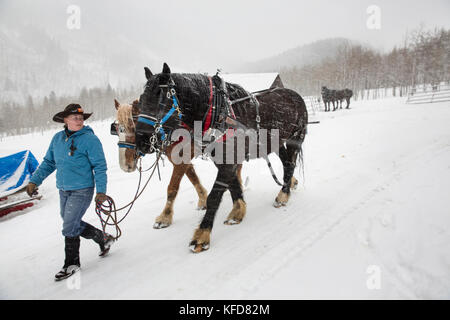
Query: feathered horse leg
x: 239, y: 206
x: 226, y: 177
x: 165, y: 218
x: 179, y: 170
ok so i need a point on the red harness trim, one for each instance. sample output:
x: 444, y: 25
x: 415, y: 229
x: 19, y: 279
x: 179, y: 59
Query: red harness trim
x: 208, y: 116
x: 229, y: 132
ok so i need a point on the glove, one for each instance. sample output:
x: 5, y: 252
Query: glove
x: 31, y: 189
x: 101, y: 197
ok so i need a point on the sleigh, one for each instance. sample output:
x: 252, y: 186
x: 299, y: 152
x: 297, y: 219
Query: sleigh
x: 15, y: 173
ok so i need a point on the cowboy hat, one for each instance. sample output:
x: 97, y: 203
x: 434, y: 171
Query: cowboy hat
x: 72, y: 108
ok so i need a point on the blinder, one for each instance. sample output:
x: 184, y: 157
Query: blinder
x: 113, y: 129
x: 158, y: 123
x: 118, y: 130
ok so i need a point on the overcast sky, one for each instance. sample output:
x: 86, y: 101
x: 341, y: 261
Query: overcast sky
x: 195, y: 33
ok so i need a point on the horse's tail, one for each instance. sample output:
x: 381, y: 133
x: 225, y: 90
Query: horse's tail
x: 303, y: 129
x: 301, y: 165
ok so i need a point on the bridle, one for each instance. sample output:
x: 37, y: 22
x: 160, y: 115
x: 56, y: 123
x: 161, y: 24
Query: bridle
x: 161, y: 119
x: 119, y: 130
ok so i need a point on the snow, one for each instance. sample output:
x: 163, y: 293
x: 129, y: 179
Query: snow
x: 369, y: 221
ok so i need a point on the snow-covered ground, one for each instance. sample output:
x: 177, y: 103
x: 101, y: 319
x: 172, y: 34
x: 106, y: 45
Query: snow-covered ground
x: 370, y: 220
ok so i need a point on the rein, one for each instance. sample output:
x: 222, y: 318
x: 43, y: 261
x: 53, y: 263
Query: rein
x: 109, y: 209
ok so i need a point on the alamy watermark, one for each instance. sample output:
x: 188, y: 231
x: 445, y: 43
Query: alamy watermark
x: 374, y: 20
x: 373, y: 282
x: 74, y: 20
x: 229, y: 147
x: 74, y: 282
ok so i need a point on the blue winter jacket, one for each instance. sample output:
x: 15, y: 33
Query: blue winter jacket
x: 78, y: 171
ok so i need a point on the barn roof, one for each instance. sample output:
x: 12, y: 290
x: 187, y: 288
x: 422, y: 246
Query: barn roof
x: 251, y: 81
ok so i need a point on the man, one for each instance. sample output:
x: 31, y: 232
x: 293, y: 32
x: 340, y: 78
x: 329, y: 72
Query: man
x: 77, y: 156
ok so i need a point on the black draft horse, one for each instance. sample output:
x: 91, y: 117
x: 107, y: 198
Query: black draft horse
x: 336, y: 97
x: 329, y: 96
x: 341, y: 95
x: 281, y: 109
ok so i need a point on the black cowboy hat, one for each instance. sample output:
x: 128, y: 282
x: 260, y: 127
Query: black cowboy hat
x: 72, y: 108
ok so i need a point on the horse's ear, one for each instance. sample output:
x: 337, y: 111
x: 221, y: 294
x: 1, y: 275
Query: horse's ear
x: 117, y: 104
x: 148, y: 73
x: 166, y: 68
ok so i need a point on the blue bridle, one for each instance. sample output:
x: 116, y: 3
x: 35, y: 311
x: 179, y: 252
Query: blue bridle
x: 158, y: 125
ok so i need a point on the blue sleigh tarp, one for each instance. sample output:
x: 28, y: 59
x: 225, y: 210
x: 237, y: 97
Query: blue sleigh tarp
x: 15, y: 171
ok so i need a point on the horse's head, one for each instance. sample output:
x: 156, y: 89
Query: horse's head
x: 125, y: 128
x: 160, y: 113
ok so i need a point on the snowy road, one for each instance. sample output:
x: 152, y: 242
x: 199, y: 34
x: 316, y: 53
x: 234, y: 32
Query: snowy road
x: 375, y: 197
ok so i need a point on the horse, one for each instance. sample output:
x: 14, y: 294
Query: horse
x: 347, y: 94
x: 172, y: 100
x: 336, y: 96
x: 125, y: 129
x: 327, y: 97
x: 340, y: 95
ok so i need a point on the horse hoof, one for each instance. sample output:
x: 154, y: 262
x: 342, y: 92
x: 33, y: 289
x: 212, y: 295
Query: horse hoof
x: 197, y: 248
x: 281, y: 200
x: 200, y: 241
x: 278, y: 204
x: 294, y: 183
x: 201, y: 208
x: 231, y: 222
x: 160, y: 225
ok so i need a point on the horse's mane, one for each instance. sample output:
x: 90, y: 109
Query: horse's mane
x: 235, y: 91
x: 124, y: 114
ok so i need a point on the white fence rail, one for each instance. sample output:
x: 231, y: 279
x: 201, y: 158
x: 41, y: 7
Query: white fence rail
x: 312, y: 104
x: 437, y: 93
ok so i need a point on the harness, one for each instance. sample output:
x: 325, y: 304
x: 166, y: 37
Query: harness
x: 222, y: 107
x: 219, y: 117
x: 159, y: 122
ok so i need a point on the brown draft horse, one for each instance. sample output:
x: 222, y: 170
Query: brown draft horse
x: 126, y: 115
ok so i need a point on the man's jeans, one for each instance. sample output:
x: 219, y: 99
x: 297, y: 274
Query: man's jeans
x: 74, y: 204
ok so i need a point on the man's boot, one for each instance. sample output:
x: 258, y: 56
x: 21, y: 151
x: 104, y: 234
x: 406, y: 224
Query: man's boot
x: 72, y: 260
x: 104, y: 240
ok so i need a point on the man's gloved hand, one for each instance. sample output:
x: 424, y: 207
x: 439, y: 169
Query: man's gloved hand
x: 101, y: 197
x: 31, y: 189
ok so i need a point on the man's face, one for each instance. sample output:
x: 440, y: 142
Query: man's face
x: 74, y: 122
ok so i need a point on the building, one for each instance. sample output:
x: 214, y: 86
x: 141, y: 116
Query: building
x: 253, y: 82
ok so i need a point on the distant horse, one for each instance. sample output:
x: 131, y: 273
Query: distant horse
x: 190, y: 95
x: 339, y: 98
x: 125, y: 129
x: 336, y: 97
x: 341, y: 95
x: 328, y: 96
x: 347, y: 94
